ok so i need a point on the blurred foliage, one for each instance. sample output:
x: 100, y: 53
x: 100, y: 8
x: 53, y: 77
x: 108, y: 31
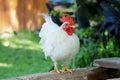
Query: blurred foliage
x: 55, y: 13
x: 96, y: 43
x: 92, y: 49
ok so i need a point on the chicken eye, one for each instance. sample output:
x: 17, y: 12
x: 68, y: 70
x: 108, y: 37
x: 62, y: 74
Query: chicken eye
x: 66, y: 24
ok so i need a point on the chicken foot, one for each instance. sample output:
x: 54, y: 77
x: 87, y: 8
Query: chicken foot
x: 56, y: 69
x: 66, y: 69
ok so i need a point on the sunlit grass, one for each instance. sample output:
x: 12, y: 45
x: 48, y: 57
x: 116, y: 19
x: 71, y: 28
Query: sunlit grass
x: 21, y: 55
x: 5, y: 65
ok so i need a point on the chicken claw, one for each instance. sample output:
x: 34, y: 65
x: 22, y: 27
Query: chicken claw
x: 56, y: 69
x: 65, y: 69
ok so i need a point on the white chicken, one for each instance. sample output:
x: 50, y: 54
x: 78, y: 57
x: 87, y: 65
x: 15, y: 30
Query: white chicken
x: 59, y: 43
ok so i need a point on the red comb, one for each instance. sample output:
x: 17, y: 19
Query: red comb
x: 67, y: 18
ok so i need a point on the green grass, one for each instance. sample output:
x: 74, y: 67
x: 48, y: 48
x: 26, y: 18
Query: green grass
x: 21, y: 55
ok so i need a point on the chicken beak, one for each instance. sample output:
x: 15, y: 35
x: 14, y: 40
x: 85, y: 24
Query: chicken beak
x: 73, y: 26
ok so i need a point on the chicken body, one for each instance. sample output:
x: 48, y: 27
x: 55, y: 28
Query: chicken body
x: 57, y: 44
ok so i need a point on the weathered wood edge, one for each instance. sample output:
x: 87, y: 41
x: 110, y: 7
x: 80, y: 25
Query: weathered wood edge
x: 77, y: 74
x: 114, y: 79
x: 113, y: 62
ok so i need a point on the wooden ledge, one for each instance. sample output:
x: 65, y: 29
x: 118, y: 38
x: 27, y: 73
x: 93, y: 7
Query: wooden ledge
x: 114, y: 79
x: 113, y: 62
x: 107, y: 69
x: 77, y: 74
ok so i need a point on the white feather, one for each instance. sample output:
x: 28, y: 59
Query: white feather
x: 56, y: 43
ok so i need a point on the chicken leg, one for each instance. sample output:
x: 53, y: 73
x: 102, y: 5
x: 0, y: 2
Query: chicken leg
x: 56, y: 69
x: 66, y: 69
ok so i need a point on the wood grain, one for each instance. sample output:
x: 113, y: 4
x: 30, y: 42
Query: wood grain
x: 77, y: 74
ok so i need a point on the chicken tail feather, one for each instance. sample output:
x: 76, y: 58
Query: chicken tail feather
x: 46, y: 17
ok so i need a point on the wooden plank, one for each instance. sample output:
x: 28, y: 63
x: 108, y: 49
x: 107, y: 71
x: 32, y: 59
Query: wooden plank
x: 107, y: 68
x: 114, y: 79
x: 101, y: 73
x: 113, y: 62
x: 77, y: 74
